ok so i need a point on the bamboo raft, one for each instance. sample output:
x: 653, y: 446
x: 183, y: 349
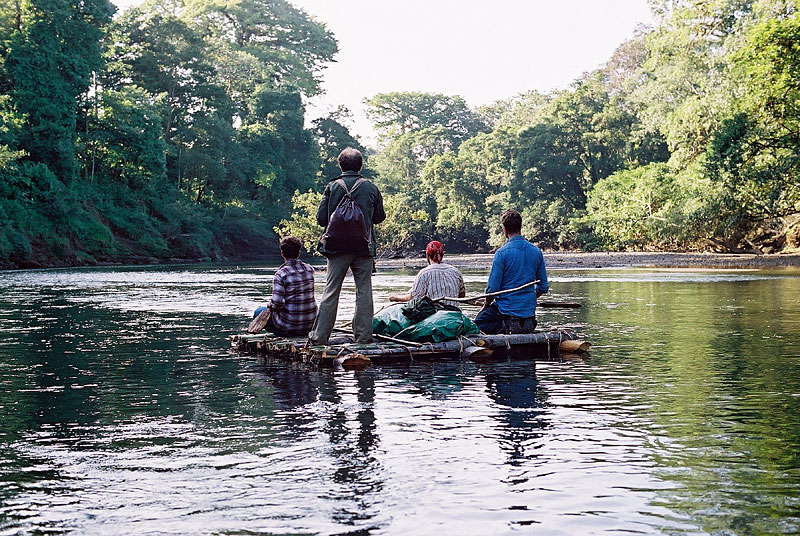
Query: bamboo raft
x: 342, y: 351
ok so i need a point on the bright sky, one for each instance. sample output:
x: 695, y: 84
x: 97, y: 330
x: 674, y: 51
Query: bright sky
x: 482, y: 50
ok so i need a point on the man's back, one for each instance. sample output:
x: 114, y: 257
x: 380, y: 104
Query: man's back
x: 367, y: 197
x: 437, y: 281
x: 516, y: 263
x: 361, y: 262
x: 293, y: 296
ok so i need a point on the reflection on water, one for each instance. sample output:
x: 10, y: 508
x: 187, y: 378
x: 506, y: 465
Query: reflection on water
x: 123, y: 411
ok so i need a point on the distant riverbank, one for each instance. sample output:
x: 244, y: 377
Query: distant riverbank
x: 555, y: 259
x: 620, y: 259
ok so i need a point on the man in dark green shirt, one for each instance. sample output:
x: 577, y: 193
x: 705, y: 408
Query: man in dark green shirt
x: 361, y: 261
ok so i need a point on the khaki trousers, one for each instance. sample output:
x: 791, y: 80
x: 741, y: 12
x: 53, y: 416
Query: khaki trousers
x: 329, y: 305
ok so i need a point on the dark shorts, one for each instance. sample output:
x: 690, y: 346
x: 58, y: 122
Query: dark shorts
x: 491, y: 321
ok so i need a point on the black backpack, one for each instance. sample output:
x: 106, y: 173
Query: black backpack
x: 346, y: 231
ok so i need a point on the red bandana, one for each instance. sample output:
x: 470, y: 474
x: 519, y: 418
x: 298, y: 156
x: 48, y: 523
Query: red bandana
x: 435, y: 251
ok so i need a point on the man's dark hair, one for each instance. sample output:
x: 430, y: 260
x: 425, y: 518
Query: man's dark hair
x: 350, y: 160
x: 290, y: 247
x: 511, y: 221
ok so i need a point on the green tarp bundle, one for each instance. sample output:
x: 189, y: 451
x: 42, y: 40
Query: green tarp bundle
x: 390, y: 321
x: 440, y: 326
x: 394, y: 319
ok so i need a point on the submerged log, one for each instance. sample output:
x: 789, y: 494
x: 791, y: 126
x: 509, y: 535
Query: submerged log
x: 478, y: 354
x: 574, y: 346
x: 352, y: 362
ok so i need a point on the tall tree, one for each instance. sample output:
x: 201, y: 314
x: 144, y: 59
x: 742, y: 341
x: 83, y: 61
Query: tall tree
x: 688, y: 89
x: 49, y: 65
x: 584, y: 135
x: 399, y: 113
x: 283, y: 157
x: 754, y: 151
x: 264, y: 42
x: 333, y: 135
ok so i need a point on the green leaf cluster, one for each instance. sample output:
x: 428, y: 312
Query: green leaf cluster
x: 687, y: 137
x: 176, y: 130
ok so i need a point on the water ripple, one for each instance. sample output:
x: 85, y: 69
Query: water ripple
x: 123, y: 411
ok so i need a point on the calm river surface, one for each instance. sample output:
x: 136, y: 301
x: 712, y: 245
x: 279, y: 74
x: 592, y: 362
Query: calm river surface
x: 123, y: 411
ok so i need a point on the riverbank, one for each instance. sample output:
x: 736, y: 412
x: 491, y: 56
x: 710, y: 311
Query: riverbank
x: 554, y: 260
x: 619, y: 259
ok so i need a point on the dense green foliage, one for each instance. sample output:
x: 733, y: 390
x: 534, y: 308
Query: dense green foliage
x: 686, y: 138
x: 174, y: 131
x: 177, y: 130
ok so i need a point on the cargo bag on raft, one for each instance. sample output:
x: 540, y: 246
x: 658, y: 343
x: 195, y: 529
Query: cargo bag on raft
x: 419, y: 309
x: 396, y: 318
x: 390, y: 321
x: 440, y: 326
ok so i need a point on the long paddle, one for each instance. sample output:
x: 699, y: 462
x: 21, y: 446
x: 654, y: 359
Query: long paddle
x: 487, y: 295
x: 545, y: 304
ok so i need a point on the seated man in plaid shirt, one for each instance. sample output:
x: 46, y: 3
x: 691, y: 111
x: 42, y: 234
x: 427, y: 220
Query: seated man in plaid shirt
x: 293, y: 307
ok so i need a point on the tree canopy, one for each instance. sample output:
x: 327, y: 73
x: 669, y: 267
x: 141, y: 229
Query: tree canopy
x: 175, y: 130
x: 178, y: 129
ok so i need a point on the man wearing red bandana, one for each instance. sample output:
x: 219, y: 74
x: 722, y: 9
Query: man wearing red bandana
x: 436, y: 280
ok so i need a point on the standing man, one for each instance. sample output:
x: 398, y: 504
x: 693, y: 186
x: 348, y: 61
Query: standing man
x: 516, y: 263
x: 292, y: 307
x: 436, y: 280
x: 355, y: 252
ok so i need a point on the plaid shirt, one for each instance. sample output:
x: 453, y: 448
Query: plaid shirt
x: 293, y: 305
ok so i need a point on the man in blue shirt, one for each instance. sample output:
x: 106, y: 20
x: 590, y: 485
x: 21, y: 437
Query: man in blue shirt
x: 516, y: 263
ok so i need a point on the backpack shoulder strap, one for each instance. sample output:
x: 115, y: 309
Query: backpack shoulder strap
x: 357, y: 184
x: 340, y: 182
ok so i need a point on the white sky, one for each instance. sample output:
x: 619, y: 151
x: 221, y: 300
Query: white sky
x: 481, y: 50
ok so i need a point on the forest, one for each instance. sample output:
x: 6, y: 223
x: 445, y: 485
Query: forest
x: 176, y: 131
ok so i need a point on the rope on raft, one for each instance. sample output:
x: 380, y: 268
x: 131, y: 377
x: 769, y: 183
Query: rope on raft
x: 473, y: 343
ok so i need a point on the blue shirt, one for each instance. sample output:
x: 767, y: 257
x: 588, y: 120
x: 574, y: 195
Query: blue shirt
x: 516, y: 263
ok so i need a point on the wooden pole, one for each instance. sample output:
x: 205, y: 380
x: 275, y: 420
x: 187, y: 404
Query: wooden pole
x: 384, y: 338
x: 574, y: 346
x: 488, y: 295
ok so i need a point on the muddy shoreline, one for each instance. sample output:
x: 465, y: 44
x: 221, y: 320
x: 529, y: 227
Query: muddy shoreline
x: 579, y: 259
x: 554, y: 259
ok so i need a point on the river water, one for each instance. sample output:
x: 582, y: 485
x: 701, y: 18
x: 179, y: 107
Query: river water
x: 125, y: 412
